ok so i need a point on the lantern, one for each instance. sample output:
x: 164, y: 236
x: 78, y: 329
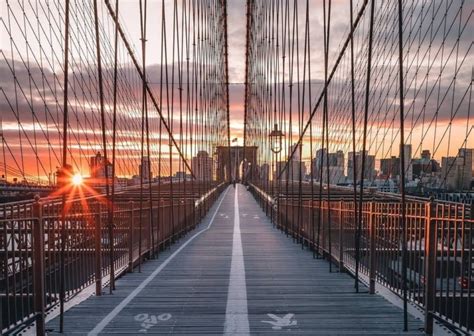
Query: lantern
x: 275, y: 139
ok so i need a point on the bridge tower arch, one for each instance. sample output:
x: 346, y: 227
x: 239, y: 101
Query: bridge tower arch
x: 243, y: 162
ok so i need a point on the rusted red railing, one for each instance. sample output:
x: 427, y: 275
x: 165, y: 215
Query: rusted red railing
x: 32, y: 248
x: 439, y: 239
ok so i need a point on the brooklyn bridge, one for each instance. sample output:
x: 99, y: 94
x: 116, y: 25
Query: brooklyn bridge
x: 236, y: 167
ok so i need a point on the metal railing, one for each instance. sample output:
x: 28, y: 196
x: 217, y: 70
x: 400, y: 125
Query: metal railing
x: 439, y: 239
x: 42, y: 258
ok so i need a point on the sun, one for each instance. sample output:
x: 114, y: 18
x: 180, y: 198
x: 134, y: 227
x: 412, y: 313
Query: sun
x: 77, y: 179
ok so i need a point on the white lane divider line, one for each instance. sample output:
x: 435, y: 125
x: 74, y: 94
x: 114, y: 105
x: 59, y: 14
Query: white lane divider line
x: 106, y: 320
x: 236, y: 314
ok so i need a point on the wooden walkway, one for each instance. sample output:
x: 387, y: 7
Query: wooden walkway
x: 235, y: 275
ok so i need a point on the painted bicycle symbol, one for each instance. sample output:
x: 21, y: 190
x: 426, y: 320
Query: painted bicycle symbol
x: 149, y: 321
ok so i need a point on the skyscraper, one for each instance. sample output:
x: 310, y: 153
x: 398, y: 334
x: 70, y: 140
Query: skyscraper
x: 144, y: 168
x: 265, y: 171
x: 335, y: 161
x: 408, y: 167
x: 97, y: 167
x: 296, y: 168
x: 369, y: 170
x: 390, y: 167
x: 297, y: 148
x: 456, y: 172
x: 202, y: 166
x: 426, y: 155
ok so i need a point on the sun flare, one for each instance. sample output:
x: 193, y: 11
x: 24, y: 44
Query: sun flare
x: 77, y: 179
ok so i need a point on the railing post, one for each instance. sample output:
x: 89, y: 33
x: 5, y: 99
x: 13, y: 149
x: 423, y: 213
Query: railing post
x: 130, y: 238
x: 38, y: 252
x: 196, y: 207
x: 341, y: 240
x: 271, y: 215
x: 472, y: 209
x: 323, y: 229
x: 430, y: 265
x: 98, y: 252
x: 3, y: 245
x: 372, y: 234
x: 149, y: 221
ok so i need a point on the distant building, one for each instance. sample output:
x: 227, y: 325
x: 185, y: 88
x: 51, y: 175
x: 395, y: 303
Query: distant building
x: 456, y: 172
x: 390, y: 167
x: 295, y: 169
x: 430, y: 182
x: 385, y: 185
x: 279, y: 166
x: 335, y: 161
x: 144, y: 169
x: 291, y: 172
x: 318, y: 162
x: 369, y: 170
x: 408, y: 167
x: 97, y: 167
x: 297, y: 148
x: 265, y: 172
x: 425, y: 155
x: 181, y: 175
x: 202, y: 166
x: 425, y: 165
x: 122, y: 182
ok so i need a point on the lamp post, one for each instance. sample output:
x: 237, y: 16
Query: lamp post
x: 236, y: 170
x: 276, y: 136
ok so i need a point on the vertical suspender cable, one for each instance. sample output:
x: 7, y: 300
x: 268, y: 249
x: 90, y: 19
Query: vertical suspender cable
x: 5, y: 173
x: 142, y: 140
x: 170, y: 143
x: 402, y: 166
x: 151, y: 238
x: 64, y: 164
x: 308, y: 58
x: 364, y: 140
x: 114, y: 137
x: 246, y: 93
x: 354, y: 162
x: 323, y: 136
x: 326, y: 120
x: 102, y: 111
x: 226, y: 55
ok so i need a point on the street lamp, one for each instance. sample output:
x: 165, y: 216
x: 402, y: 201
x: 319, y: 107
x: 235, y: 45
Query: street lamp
x: 276, y: 139
x: 276, y: 136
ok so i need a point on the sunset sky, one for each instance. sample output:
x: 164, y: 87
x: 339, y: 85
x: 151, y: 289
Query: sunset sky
x: 13, y: 23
